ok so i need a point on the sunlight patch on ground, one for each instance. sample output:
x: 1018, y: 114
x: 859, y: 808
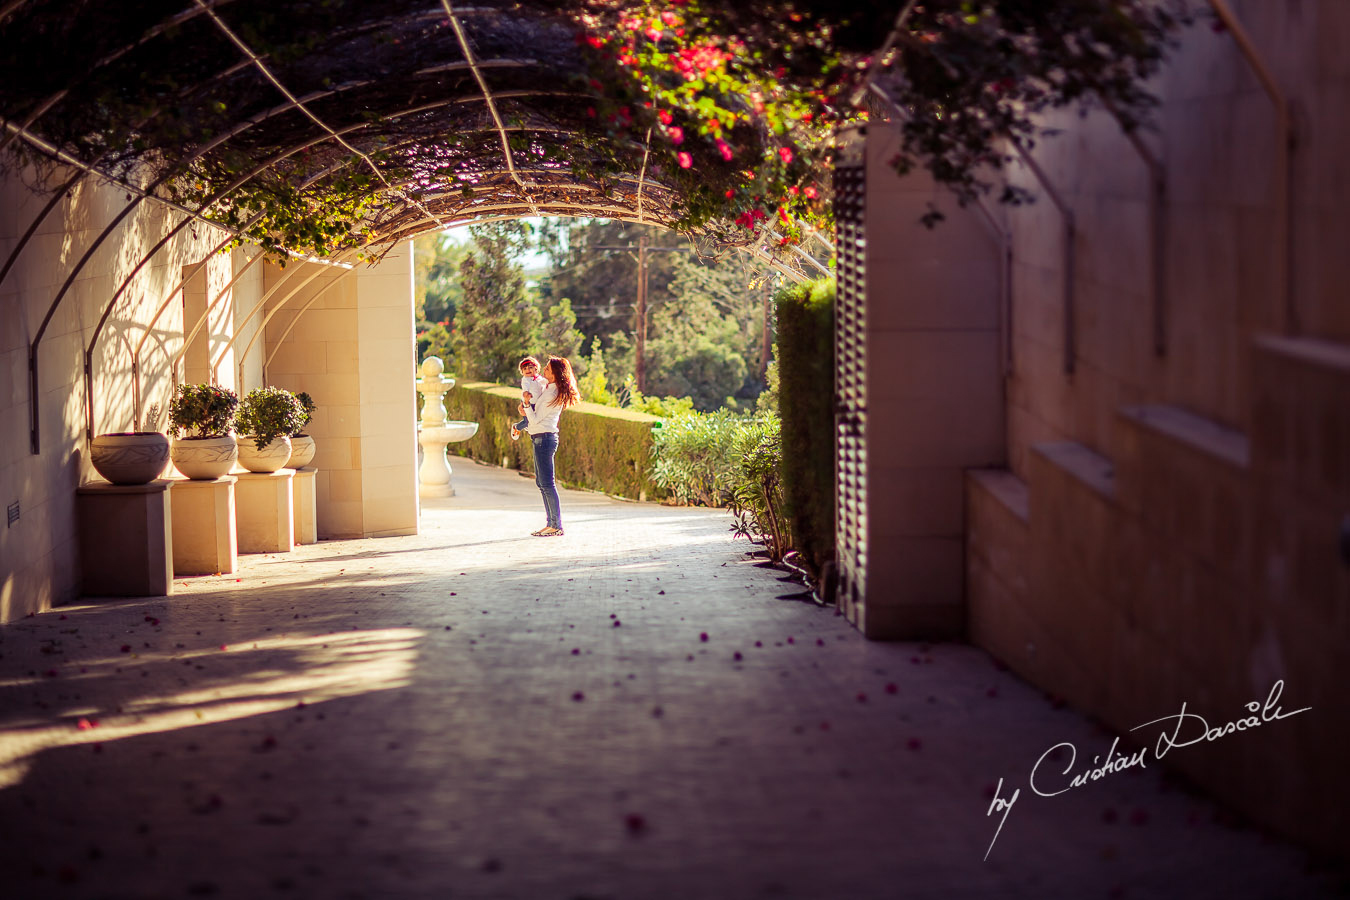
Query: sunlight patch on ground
x: 287, y: 671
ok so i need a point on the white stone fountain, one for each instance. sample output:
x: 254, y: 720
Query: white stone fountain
x: 434, y: 432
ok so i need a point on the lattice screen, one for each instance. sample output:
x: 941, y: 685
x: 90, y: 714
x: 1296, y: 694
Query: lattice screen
x: 850, y: 403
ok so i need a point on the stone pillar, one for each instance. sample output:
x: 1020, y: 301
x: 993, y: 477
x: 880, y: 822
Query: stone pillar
x: 126, y: 539
x: 934, y: 395
x: 264, y: 512
x: 204, y: 540
x: 306, y: 523
x: 353, y: 349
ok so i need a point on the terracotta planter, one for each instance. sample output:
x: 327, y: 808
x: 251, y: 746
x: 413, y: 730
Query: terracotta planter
x: 204, y: 458
x: 130, y: 457
x: 270, y: 458
x: 302, y: 451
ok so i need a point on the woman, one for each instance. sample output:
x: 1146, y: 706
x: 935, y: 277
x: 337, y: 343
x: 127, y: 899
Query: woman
x: 542, y: 416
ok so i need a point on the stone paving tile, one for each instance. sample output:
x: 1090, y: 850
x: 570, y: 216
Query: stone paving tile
x: 471, y: 712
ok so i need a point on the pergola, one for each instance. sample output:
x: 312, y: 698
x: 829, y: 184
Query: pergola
x: 404, y: 117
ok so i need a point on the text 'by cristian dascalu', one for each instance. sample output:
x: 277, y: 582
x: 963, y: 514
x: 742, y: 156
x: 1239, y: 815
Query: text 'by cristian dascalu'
x: 1186, y: 728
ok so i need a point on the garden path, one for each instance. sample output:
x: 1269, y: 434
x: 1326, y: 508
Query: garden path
x: 470, y: 712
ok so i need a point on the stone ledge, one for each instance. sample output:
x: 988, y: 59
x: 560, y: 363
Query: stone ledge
x: 1005, y: 487
x: 1091, y: 468
x: 1205, y: 435
x: 1312, y: 351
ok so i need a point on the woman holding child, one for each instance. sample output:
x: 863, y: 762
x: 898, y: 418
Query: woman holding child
x: 557, y: 391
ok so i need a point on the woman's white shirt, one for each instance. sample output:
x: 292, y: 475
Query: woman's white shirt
x: 543, y: 418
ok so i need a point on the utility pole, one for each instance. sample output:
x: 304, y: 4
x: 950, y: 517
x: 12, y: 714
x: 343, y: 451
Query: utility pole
x: 640, y: 326
x: 640, y: 357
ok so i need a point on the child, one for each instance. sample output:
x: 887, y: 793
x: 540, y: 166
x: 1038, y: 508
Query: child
x: 531, y: 386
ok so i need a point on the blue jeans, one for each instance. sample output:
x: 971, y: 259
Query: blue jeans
x: 545, y: 445
x: 521, y: 425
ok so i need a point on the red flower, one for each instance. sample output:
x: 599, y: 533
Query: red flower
x: 810, y: 193
x: 665, y: 117
x: 594, y: 41
x: 725, y: 150
x: 785, y: 153
x: 730, y: 193
x: 676, y: 134
x: 653, y: 34
x: 685, y: 160
x: 668, y: 17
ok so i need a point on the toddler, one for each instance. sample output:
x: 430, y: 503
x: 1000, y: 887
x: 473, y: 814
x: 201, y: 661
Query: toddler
x: 531, y: 386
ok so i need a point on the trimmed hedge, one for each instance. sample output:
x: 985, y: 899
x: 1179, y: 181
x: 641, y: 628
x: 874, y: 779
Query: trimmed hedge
x: 600, y: 448
x: 806, y: 406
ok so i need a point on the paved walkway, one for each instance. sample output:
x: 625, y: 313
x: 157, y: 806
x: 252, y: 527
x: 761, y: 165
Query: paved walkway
x: 475, y: 713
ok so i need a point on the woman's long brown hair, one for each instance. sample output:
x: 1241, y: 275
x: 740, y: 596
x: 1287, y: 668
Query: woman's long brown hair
x: 565, y: 381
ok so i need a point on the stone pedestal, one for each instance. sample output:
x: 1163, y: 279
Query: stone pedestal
x: 204, y: 541
x: 126, y: 539
x: 264, y: 515
x: 304, y: 508
x: 434, y: 432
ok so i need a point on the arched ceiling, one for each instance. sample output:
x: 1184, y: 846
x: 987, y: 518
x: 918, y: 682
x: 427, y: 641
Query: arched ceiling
x: 447, y: 112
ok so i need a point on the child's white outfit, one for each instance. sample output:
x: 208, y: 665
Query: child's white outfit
x: 535, y: 385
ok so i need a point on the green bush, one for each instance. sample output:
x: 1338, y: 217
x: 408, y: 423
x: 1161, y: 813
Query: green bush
x: 267, y: 413
x: 202, y: 410
x: 695, y: 461
x: 806, y: 404
x: 756, y: 494
x: 600, y: 448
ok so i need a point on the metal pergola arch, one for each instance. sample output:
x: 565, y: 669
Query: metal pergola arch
x: 456, y: 190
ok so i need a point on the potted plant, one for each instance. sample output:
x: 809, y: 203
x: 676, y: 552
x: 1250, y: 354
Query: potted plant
x: 131, y: 457
x: 200, y: 417
x: 267, y: 418
x: 302, y: 445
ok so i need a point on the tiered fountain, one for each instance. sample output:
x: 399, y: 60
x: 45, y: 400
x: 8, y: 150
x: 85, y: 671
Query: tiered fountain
x: 434, y: 432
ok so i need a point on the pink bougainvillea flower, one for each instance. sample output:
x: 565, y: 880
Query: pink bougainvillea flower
x: 665, y: 117
x: 785, y: 153
x: 791, y: 640
x: 810, y: 193
x: 676, y: 134
x: 653, y: 34
x: 594, y: 41
x: 617, y: 623
x: 759, y: 643
x: 578, y: 696
x: 576, y: 651
x: 730, y: 193
x: 685, y: 160
x: 668, y: 17
x: 737, y: 656
x: 820, y: 642
x: 725, y: 149
x: 703, y: 636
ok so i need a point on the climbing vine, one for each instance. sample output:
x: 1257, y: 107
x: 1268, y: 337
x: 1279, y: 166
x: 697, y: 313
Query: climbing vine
x: 712, y: 116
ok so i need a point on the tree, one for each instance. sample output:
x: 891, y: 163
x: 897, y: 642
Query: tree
x: 436, y: 261
x: 496, y: 322
x: 560, y: 335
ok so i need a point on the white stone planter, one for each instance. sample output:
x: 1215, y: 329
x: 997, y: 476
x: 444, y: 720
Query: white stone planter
x: 204, y: 458
x: 130, y: 457
x: 269, y: 459
x: 302, y: 451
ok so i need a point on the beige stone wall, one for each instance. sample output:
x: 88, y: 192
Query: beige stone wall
x: 1167, y: 531
x: 38, y: 553
x: 361, y: 376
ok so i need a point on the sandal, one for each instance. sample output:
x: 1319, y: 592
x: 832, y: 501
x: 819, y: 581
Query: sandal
x: 542, y: 532
x: 550, y: 532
